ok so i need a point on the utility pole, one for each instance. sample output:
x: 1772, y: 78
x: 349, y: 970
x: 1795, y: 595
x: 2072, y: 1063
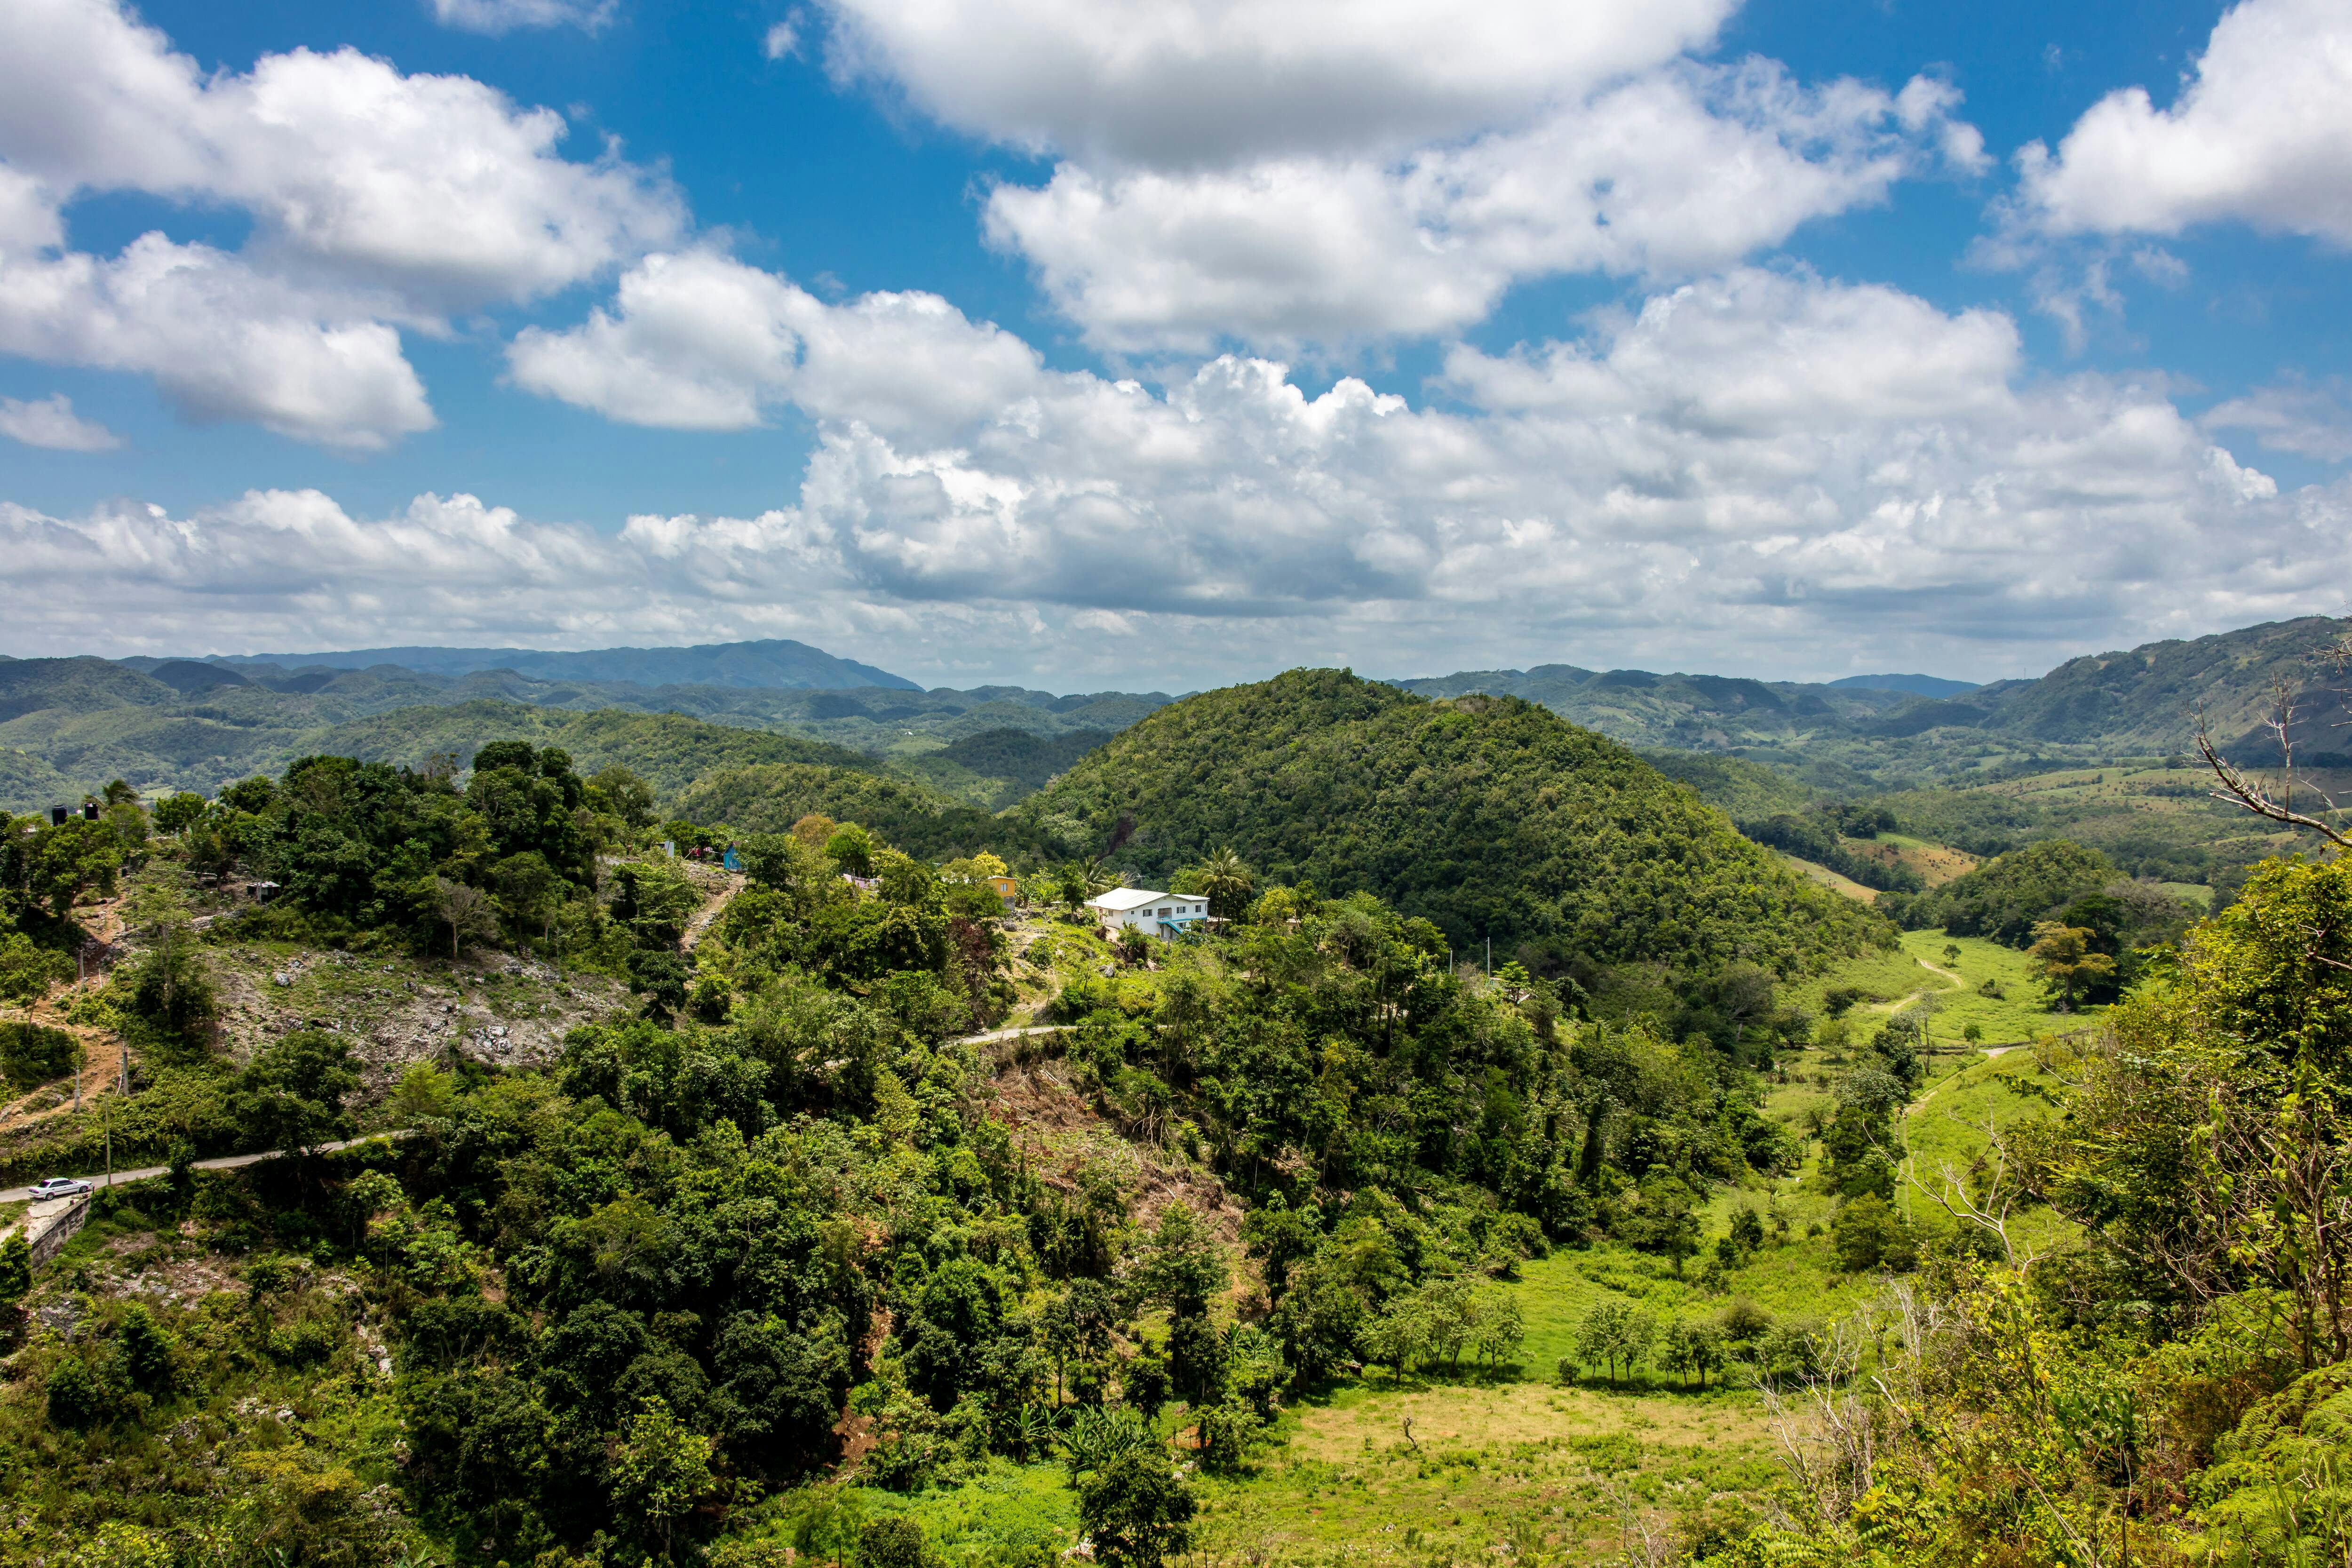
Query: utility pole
x: 1490, y: 957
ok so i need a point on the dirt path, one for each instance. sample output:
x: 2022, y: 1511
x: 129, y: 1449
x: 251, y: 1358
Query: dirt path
x: 1952, y: 981
x: 710, y: 911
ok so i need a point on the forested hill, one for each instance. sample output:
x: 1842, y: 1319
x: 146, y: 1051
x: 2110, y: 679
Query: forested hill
x: 68, y: 725
x: 1488, y: 815
x: 669, y: 751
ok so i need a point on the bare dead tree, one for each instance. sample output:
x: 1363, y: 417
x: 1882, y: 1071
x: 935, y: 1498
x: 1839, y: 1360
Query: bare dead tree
x: 2237, y: 789
x: 1987, y: 1210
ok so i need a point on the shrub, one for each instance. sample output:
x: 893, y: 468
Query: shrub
x: 1869, y: 1233
x: 32, y: 1055
x: 893, y: 1541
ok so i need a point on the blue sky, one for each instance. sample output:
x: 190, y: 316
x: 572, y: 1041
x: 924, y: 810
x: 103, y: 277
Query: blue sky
x: 1085, y: 344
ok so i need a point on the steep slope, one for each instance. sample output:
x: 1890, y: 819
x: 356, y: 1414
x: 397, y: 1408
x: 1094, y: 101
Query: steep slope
x: 2147, y: 699
x: 1489, y: 816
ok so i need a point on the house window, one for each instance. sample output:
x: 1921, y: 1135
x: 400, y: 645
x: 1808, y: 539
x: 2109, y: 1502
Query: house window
x: 1165, y: 913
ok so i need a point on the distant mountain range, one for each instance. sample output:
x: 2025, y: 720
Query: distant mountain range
x: 776, y: 665
x: 69, y: 725
x: 1918, y: 685
x: 2146, y: 700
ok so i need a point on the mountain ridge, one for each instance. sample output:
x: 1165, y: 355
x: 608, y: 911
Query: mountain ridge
x: 773, y: 663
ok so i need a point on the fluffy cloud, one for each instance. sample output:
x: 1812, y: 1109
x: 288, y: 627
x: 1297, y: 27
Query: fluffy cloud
x: 1764, y: 471
x: 698, y: 342
x: 1683, y: 171
x: 1313, y: 174
x: 1184, y: 83
x: 51, y: 421
x: 498, y: 18
x: 378, y: 201
x: 221, y: 342
x: 2262, y: 133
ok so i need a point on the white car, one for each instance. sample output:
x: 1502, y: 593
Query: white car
x: 59, y: 1187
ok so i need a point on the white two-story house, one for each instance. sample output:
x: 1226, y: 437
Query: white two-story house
x: 1154, y: 914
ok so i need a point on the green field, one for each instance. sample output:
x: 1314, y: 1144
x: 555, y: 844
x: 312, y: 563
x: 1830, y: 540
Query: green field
x: 1921, y: 976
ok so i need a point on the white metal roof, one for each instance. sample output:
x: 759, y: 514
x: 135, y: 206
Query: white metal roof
x: 1119, y: 900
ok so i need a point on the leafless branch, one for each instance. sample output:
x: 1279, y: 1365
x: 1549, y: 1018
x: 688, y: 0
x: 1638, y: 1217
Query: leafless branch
x: 1992, y: 1211
x: 2237, y: 789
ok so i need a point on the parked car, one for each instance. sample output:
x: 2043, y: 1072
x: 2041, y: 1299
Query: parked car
x: 59, y: 1187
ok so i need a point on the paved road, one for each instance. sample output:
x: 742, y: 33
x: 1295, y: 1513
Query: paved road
x: 225, y: 1162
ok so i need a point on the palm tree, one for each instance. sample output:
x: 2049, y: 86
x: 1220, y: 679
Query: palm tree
x: 1226, y: 883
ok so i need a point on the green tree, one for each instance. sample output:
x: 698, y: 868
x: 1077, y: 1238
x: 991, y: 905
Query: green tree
x: 1225, y: 881
x: 661, y: 1471
x: 1182, y: 1266
x: 1871, y: 1233
x: 175, y: 814
x: 2064, y: 960
x: 1614, y: 1333
x: 150, y: 1355
x: 296, y: 1093
x: 1137, y: 1510
x: 654, y: 899
x: 171, y: 993
x: 1693, y: 1348
x: 34, y: 1054
x: 621, y: 793
x: 529, y: 888
x: 851, y: 849
x: 27, y: 970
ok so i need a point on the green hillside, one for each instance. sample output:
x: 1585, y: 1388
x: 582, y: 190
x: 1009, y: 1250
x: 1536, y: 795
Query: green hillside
x: 86, y: 721
x: 1734, y: 785
x: 919, y: 819
x: 666, y: 749
x: 995, y: 768
x: 1488, y: 815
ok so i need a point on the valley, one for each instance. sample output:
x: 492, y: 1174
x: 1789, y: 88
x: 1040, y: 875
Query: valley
x: 842, y: 1193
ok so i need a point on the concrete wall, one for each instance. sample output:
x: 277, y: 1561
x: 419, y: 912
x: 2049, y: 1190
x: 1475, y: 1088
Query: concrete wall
x: 49, y: 1227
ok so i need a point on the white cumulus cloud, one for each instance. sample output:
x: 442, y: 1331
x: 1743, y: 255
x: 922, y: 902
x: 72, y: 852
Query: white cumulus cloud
x: 1293, y: 174
x: 1682, y: 171
x: 1763, y: 471
x: 2261, y: 132
x: 697, y: 341
x: 1178, y: 83
x: 379, y: 201
x: 51, y: 421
